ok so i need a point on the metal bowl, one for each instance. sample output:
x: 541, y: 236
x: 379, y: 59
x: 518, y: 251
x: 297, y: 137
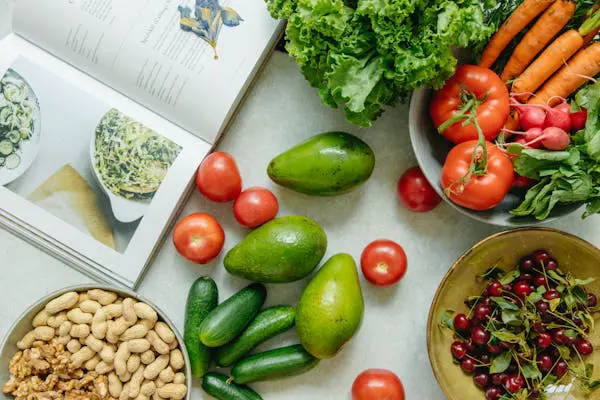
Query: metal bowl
x: 23, y: 325
x: 504, y: 249
x: 431, y: 149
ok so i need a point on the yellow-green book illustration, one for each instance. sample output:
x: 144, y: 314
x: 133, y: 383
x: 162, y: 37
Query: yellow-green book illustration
x: 206, y: 19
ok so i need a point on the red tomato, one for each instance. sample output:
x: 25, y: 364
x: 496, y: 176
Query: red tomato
x: 383, y: 262
x: 218, y: 177
x: 471, y: 88
x: 377, y: 384
x: 199, y: 238
x: 415, y: 193
x: 255, y: 206
x: 479, y: 192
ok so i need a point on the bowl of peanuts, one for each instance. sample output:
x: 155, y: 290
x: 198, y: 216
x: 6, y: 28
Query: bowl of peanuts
x: 94, y: 342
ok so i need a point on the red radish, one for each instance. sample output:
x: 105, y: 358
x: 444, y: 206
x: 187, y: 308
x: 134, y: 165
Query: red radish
x: 578, y: 120
x: 528, y: 138
x: 555, y: 138
x: 522, y: 182
x: 564, y: 107
x: 558, y: 117
x: 529, y: 116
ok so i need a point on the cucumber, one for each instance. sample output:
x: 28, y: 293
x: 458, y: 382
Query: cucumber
x: 230, y: 318
x: 274, y: 364
x: 203, y: 297
x: 12, y: 161
x: 217, y: 385
x: 6, y: 147
x: 267, y: 324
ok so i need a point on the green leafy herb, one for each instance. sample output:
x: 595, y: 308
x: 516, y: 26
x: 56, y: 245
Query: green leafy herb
x: 504, y: 304
x: 500, y: 363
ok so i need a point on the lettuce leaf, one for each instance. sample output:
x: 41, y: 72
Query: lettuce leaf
x: 364, y: 55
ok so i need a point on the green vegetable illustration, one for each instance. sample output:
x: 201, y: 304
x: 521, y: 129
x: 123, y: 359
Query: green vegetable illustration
x: 130, y: 158
x: 16, y: 118
x: 206, y: 20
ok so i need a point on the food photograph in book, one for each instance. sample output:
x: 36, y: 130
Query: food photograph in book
x: 76, y: 157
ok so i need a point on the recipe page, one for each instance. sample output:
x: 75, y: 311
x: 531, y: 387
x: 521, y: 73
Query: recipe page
x: 187, y: 60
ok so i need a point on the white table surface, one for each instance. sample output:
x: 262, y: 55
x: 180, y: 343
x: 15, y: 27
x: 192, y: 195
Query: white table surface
x: 280, y: 111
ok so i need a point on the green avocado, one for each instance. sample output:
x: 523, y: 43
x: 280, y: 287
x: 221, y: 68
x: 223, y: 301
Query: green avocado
x: 283, y: 250
x: 331, y: 307
x: 328, y: 164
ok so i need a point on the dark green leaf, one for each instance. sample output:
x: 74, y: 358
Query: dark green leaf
x: 510, y: 277
x: 564, y: 351
x: 500, y: 363
x: 531, y: 371
x: 557, y: 277
x: 447, y: 320
x: 534, y: 297
x: 492, y: 273
x: 504, y: 304
x: 512, y: 317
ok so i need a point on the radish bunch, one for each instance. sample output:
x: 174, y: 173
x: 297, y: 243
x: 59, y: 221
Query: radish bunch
x: 545, y: 126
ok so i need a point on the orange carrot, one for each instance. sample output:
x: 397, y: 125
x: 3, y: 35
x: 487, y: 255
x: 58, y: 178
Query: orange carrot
x: 517, y: 21
x: 550, y: 61
x: 590, y: 36
x: 544, y: 30
x: 585, y: 64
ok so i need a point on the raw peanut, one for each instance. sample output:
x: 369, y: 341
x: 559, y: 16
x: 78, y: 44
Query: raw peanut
x: 164, y: 332
x: 156, y: 367
x: 104, y: 367
x: 144, y: 311
x: 148, y: 388
x: 102, y: 296
x: 148, y: 323
x: 65, y: 328
x: 126, y: 377
x: 113, y: 310
x: 115, y: 329
x: 44, y: 333
x: 142, y: 397
x: 167, y: 375
x: 137, y: 331
x: 90, y: 306
x: 26, y: 341
x: 133, y: 363
x: 55, y: 321
x: 114, y: 385
x: 121, y: 357
x: 95, y: 344
x: 174, y: 391
x: 84, y: 354
x: 157, y: 344
x: 40, y: 318
x: 138, y: 345
x: 81, y: 340
x: 62, y: 302
x: 129, y: 311
x: 155, y: 396
x: 179, y: 378
x: 81, y: 331
x: 73, y: 346
x: 99, y: 324
x: 136, y: 382
x: 83, y: 297
x: 159, y: 383
x: 173, y: 345
x: 92, y: 363
x: 64, y: 339
x: 107, y: 353
x: 147, y: 357
x: 124, y: 392
x: 177, y: 361
x: 79, y: 317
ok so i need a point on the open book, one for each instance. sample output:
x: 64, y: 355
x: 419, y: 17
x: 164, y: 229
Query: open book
x: 106, y: 109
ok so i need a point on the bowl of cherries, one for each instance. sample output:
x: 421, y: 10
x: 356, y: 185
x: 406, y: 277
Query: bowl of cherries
x: 514, y: 319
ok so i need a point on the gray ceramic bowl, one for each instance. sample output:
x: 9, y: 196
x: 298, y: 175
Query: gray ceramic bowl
x: 23, y: 325
x: 431, y: 149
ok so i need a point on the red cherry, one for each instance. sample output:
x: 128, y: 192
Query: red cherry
x: 481, y: 380
x: 527, y: 263
x: 479, y: 335
x: 495, y: 289
x: 499, y: 379
x: 584, y: 347
x: 522, y: 289
x: 493, y: 393
x: 592, y: 300
x: 527, y: 277
x: 552, y: 294
x: 514, y: 383
x: 461, y: 323
x: 482, y: 312
x: 561, y: 368
x: 541, y: 257
x: 468, y: 365
x: 459, y: 350
x: 560, y: 336
x: 539, y: 280
x: 544, y: 340
x: 542, y: 306
x: 551, y: 265
x: 545, y: 362
x: 495, y: 348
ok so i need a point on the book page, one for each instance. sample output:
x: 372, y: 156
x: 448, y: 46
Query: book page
x: 187, y: 60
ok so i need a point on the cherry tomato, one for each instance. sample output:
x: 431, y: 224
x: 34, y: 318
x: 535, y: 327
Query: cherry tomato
x: 199, y: 238
x: 383, y: 262
x: 479, y: 192
x: 471, y: 88
x: 377, y: 384
x: 415, y: 193
x: 218, y: 177
x: 255, y: 206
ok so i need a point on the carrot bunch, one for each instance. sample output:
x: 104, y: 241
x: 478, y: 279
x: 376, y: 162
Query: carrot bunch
x: 563, y: 63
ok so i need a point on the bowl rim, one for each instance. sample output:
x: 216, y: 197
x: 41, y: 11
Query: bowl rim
x: 121, y: 292
x: 454, y: 266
